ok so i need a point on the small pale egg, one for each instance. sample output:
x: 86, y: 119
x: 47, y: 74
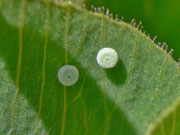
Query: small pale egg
x: 107, y: 58
x: 68, y: 75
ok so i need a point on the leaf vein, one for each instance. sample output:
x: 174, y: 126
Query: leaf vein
x: 44, y: 62
x: 67, y: 34
x: 132, y: 65
x: 174, y: 123
x: 66, y: 62
x: 21, y: 28
x: 84, y: 34
x: 64, y: 112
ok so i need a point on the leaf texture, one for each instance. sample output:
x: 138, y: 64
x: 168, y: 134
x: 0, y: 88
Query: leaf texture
x: 38, y: 37
x: 168, y: 123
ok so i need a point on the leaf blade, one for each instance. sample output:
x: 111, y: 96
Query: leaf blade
x: 137, y: 54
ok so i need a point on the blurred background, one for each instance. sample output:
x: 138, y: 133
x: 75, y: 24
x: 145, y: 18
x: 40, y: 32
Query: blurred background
x: 159, y: 17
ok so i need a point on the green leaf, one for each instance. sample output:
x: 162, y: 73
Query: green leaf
x: 168, y: 123
x: 79, y: 3
x: 37, y: 38
x: 159, y: 18
x: 26, y: 117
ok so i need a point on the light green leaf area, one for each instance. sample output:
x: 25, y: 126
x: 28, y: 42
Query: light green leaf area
x: 37, y: 38
x: 168, y: 123
x: 79, y: 3
x: 25, y: 115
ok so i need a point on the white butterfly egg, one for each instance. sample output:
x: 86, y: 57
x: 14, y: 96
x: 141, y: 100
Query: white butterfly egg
x: 107, y: 58
x: 68, y: 75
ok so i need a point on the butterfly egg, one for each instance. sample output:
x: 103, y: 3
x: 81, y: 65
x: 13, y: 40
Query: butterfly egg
x: 68, y: 75
x: 107, y: 58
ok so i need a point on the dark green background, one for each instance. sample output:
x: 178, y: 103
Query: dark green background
x: 161, y: 18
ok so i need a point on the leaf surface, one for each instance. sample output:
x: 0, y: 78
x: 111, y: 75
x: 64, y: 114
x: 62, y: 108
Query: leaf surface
x: 159, y: 18
x: 37, y: 38
x: 168, y: 123
x: 26, y: 117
